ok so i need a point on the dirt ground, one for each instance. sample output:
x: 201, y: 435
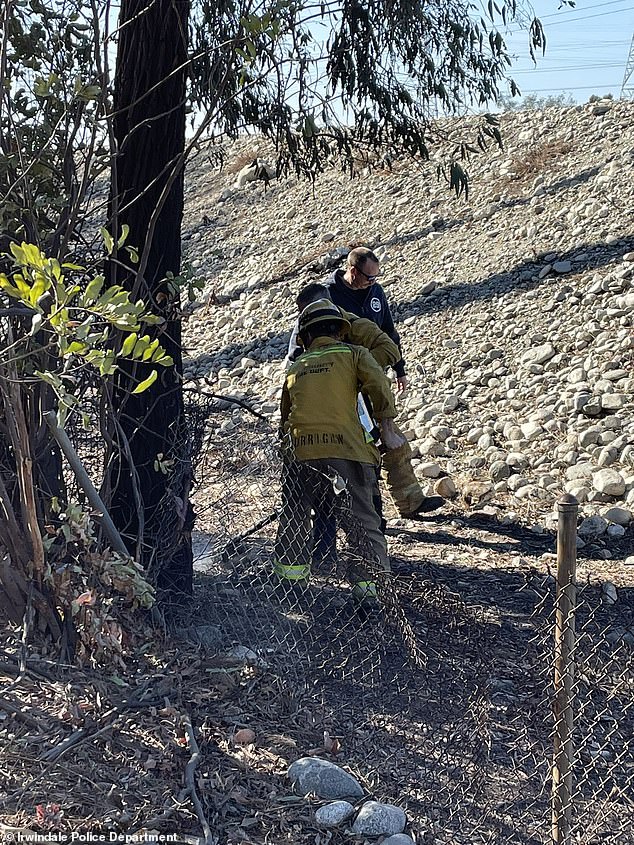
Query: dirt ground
x: 441, y: 705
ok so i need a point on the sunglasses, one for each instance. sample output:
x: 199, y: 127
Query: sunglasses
x: 369, y: 278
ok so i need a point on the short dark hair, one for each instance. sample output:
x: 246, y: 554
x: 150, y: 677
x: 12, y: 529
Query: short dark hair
x: 311, y: 293
x: 359, y: 256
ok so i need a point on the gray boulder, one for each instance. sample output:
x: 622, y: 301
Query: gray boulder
x: 332, y: 815
x: 375, y: 819
x: 609, y: 481
x: 325, y: 779
x: 592, y: 526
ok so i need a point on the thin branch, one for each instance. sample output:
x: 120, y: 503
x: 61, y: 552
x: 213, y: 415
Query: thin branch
x: 22, y: 715
x: 194, y: 760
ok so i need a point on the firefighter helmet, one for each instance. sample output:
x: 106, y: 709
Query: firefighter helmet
x: 322, y: 311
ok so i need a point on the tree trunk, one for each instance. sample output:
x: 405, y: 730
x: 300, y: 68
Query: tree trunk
x: 152, y: 513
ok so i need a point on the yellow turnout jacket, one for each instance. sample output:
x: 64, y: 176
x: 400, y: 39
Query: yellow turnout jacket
x: 319, y: 401
x: 364, y: 332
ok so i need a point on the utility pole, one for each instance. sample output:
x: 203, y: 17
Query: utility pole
x: 627, y: 86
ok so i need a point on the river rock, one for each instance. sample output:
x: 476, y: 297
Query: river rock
x: 445, y: 487
x: 620, y: 516
x: 375, y: 819
x: 592, y: 527
x: 323, y: 778
x: 332, y: 815
x: 609, y: 481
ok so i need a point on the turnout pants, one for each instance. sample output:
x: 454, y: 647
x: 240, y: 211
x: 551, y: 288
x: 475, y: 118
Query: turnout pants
x: 400, y: 479
x: 307, y: 488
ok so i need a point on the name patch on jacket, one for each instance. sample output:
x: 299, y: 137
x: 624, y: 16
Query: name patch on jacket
x: 314, y: 370
x: 318, y: 439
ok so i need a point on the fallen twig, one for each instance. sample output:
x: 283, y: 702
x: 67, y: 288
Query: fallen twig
x: 20, y: 714
x: 84, y: 734
x: 194, y: 760
x: 234, y: 400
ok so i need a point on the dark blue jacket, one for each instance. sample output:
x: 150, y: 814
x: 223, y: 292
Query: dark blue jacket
x: 369, y: 303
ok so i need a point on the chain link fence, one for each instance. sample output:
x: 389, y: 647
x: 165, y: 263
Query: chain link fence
x: 444, y: 692
x: 452, y: 700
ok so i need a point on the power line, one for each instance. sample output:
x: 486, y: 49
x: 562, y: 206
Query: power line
x: 565, y: 88
x: 586, y: 45
x: 567, y: 68
x: 578, y: 9
x: 576, y: 20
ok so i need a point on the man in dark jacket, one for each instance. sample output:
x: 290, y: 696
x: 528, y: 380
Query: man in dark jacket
x: 356, y: 289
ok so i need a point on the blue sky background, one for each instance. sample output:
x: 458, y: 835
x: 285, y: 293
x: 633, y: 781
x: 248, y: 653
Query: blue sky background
x: 586, y: 52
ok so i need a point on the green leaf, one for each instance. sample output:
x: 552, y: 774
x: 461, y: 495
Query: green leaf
x: 148, y: 382
x: 125, y: 231
x: 134, y: 255
x: 6, y: 286
x: 149, y: 352
x: 128, y: 344
x: 108, y: 365
x: 107, y: 239
x: 93, y: 289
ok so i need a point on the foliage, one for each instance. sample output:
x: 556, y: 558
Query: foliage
x: 61, y: 320
x: 52, y: 85
x: 75, y: 321
x: 97, y: 589
x: 324, y: 78
x: 186, y: 282
x: 531, y: 102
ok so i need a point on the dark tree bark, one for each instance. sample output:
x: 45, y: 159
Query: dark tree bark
x: 147, y: 174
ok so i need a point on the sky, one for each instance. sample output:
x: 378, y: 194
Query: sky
x: 586, y: 53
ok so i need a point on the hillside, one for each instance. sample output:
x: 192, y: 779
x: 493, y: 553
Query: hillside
x: 515, y: 308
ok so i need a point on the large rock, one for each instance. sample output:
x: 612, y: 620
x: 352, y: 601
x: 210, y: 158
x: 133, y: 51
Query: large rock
x: 377, y: 819
x: 325, y: 779
x: 592, y: 526
x: 609, y: 481
x: 445, y: 487
x: 398, y: 839
x: 620, y: 516
x: 539, y: 354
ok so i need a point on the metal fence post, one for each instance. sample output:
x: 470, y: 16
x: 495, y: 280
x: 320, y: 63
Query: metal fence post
x: 561, y: 802
x: 103, y: 517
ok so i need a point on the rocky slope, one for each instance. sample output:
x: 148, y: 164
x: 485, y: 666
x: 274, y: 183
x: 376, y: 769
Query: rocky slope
x: 515, y: 308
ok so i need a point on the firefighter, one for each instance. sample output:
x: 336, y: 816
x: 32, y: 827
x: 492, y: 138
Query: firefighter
x: 331, y: 450
x: 405, y: 489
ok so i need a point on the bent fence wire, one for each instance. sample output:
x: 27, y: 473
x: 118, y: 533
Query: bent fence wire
x: 452, y: 706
